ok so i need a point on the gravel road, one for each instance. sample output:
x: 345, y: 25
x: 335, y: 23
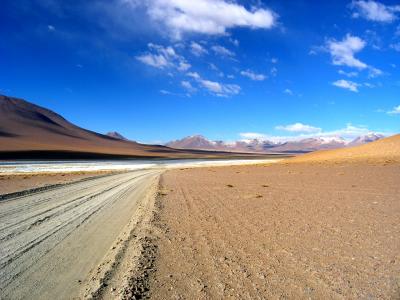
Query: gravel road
x: 51, y: 241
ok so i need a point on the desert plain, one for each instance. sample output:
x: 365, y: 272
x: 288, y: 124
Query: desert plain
x: 318, y: 226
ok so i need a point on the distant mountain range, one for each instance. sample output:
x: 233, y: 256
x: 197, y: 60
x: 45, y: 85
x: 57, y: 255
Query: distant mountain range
x: 28, y: 131
x: 199, y: 142
x: 31, y: 131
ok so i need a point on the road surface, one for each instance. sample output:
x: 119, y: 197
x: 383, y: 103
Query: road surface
x: 51, y: 241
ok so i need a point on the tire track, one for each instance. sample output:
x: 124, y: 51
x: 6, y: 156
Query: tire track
x: 37, y: 230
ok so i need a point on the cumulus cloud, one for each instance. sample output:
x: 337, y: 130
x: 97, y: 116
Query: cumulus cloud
x: 211, y: 17
x: 299, y: 128
x: 394, y: 111
x: 374, y: 11
x: 342, y: 52
x: 253, y: 76
x: 347, y: 84
x: 197, y: 49
x: 163, y: 57
x: 220, y: 50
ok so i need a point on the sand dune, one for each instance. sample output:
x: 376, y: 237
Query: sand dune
x: 384, y: 150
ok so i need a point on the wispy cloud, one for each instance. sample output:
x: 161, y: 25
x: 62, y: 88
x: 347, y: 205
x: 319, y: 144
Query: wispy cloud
x: 348, y: 74
x: 220, y: 50
x: 374, y: 11
x: 288, y: 92
x: 343, y: 51
x: 197, y: 49
x: 163, y: 57
x: 216, y: 88
x: 211, y: 17
x: 395, y: 111
x: 395, y: 46
x: 253, y: 76
x: 347, y: 84
x: 188, y: 86
x: 299, y: 128
x: 220, y: 89
x: 374, y: 72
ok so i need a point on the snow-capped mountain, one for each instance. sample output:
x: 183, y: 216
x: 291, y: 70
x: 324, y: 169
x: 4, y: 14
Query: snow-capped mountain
x: 199, y: 142
x: 368, y: 138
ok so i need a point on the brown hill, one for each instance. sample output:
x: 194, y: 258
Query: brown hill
x: 31, y: 131
x: 116, y: 135
x: 383, y: 150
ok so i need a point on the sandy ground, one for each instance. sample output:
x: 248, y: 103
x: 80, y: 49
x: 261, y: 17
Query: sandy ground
x: 12, y: 183
x: 73, y: 241
x: 285, y: 231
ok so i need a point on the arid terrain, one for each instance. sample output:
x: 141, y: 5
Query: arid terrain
x: 12, y: 183
x: 314, y: 227
x: 282, y: 231
x: 320, y: 226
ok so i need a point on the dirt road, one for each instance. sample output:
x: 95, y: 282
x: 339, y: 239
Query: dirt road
x: 52, y: 241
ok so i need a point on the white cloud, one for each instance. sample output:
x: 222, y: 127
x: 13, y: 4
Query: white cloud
x: 395, y: 46
x: 154, y: 60
x: 369, y: 85
x: 220, y: 50
x: 214, y: 87
x: 346, y: 84
x: 348, y: 74
x: 197, y: 49
x: 274, y: 71
x: 374, y: 72
x: 183, y: 66
x: 343, y: 52
x: 165, y: 92
x: 288, y: 92
x: 188, y: 86
x: 219, y: 89
x: 298, y: 127
x: 163, y: 57
x: 252, y: 135
x: 395, y: 111
x: 253, y: 76
x: 234, y: 41
x: 51, y: 28
x: 274, y: 60
x: 194, y: 75
x: 375, y: 11
x: 212, y: 17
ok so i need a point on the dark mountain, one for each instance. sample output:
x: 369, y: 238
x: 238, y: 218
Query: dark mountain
x: 116, y: 135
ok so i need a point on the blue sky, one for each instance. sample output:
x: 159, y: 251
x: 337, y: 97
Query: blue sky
x: 163, y: 69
